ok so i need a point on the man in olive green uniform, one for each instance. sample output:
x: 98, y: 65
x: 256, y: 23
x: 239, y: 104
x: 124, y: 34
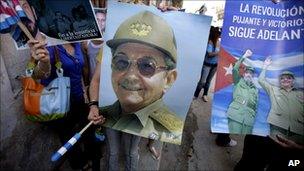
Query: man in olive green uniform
x: 143, y: 65
x: 140, y: 88
x: 286, y: 117
x: 242, y: 110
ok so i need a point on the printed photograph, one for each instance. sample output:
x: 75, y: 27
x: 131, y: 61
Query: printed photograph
x: 57, y: 22
x: 259, y: 84
x: 149, y: 69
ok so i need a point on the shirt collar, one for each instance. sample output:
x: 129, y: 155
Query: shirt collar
x: 251, y: 85
x: 115, y: 111
x: 293, y: 88
x: 142, y: 115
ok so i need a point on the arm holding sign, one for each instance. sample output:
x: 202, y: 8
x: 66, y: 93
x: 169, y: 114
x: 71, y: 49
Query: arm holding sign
x: 41, y: 54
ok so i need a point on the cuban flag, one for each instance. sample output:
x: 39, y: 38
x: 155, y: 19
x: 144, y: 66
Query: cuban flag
x: 286, y: 54
x: 10, y: 14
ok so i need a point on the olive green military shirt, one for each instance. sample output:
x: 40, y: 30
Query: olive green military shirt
x: 245, y: 96
x: 155, y: 121
x: 287, y: 110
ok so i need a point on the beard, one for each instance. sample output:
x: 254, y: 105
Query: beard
x: 248, y: 80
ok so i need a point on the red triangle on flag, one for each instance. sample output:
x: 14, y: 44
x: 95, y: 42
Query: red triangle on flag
x: 224, y: 70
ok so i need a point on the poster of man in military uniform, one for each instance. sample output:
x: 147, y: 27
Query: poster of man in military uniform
x: 151, y: 69
x: 242, y: 110
x: 286, y: 116
x: 247, y: 99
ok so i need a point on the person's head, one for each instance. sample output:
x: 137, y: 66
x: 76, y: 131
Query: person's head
x: 217, y: 32
x: 144, y: 60
x: 248, y: 74
x: 214, y: 35
x: 286, y: 80
x: 75, y: 14
x: 28, y: 10
x: 30, y: 21
x: 58, y: 15
x: 101, y: 19
x: 82, y: 11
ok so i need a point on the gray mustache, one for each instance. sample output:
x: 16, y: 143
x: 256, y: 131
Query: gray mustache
x: 131, y: 85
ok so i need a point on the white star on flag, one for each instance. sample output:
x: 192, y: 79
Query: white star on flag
x: 228, y: 69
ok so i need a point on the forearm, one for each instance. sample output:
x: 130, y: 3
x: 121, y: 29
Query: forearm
x: 94, y: 85
x: 262, y: 79
x: 262, y: 75
x: 94, y: 90
x: 94, y: 96
x: 238, y: 63
x: 93, y: 104
x: 235, y: 70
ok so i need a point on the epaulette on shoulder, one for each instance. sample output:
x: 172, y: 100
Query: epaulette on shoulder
x: 168, y: 119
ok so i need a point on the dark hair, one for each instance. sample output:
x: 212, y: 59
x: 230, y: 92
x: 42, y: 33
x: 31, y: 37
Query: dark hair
x: 81, y: 11
x: 102, y: 10
x: 74, y: 12
x: 214, y: 35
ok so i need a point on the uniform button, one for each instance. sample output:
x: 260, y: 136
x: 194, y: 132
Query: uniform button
x: 153, y: 136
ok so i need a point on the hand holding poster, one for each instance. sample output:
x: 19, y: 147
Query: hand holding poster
x: 153, y: 64
x: 261, y: 92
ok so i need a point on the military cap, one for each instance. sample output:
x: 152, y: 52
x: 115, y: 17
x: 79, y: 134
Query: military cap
x: 147, y: 28
x: 249, y: 68
x: 287, y: 73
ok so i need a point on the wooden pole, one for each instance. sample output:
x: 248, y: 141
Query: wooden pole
x: 86, y: 127
x: 25, y: 30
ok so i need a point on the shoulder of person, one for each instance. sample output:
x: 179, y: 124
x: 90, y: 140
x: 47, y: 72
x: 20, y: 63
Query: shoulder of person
x: 110, y: 109
x: 167, y: 119
x: 108, y: 112
x: 105, y: 109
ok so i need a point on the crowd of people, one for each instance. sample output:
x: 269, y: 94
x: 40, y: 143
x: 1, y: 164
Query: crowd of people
x: 82, y: 63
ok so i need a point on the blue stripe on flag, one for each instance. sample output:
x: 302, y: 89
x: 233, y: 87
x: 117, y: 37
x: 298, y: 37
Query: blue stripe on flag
x: 4, y: 25
x: 11, y: 20
x: 21, y: 13
x: 7, y: 24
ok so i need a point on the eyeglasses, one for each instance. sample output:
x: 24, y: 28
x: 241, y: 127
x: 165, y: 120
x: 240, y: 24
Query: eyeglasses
x: 145, y: 65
